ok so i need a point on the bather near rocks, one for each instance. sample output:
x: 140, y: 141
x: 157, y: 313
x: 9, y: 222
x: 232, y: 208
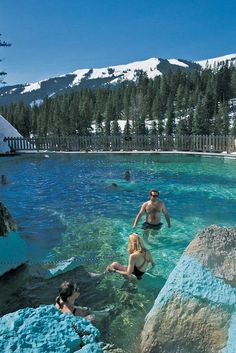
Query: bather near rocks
x: 195, y: 312
x: 33, y: 325
x: 7, y: 223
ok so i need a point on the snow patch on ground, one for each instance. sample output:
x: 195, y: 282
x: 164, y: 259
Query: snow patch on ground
x: 122, y: 123
x: 32, y: 87
x: 177, y: 62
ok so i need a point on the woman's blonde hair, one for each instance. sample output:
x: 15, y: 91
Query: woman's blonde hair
x: 135, y: 243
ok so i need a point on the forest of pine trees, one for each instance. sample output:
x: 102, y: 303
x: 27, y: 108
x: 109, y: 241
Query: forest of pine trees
x: 3, y: 43
x: 176, y: 103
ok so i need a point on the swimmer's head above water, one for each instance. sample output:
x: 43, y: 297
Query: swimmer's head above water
x: 135, y: 243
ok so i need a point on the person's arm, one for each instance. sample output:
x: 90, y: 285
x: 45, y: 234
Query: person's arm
x: 167, y: 217
x: 139, y: 215
x: 130, y: 267
x: 81, y: 311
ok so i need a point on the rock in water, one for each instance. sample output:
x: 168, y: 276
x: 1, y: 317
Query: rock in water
x: 7, y: 223
x: 195, y: 312
x: 45, y: 329
x: 13, y: 249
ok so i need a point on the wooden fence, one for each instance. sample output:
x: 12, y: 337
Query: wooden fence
x: 194, y: 143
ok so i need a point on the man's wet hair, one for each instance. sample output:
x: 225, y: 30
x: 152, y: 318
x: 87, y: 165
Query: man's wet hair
x: 154, y: 190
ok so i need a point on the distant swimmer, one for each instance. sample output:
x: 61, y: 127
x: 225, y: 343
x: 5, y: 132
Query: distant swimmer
x: 153, y: 209
x: 112, y: 186
x: 139, y: 259
x: 3, y: 179
x: 127, y: 175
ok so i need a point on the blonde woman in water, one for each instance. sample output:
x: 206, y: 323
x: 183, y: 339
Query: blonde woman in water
x: 139, y: 258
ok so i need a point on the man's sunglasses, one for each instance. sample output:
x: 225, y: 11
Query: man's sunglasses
x: 154, y: 195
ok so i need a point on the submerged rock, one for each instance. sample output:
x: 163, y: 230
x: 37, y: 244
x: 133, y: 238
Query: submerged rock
x: 45, y: 329
x: 195, y: 312
x: 7, y: 224
x: 13, y: 252
x: 13, y: 249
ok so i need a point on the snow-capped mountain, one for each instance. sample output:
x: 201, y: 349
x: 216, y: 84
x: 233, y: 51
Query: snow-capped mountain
x: 34, y: 93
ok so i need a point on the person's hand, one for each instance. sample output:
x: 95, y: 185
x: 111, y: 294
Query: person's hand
x: 90, y: 317
x: 110, y: 269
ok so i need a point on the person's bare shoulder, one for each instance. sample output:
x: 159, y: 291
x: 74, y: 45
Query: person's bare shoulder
x: 134, y: 255
x: 144, y: 205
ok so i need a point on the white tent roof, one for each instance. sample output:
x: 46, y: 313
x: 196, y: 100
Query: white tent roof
x: 6, y: 130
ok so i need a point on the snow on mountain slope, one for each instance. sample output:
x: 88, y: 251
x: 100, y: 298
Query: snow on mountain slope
x: 177, y: 62
x: 33, y: 93
x: 221, y: 60
x: 32, y: 87
x: 120, y: 72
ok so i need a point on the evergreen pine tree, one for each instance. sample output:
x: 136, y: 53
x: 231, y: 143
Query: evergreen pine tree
x: 140, y: 126
x: 233, y: 129
x: 126, y: 103
x: 202, y: 119
x: 3, y: 44
x: 154, y: 128
x: 127, y: 128
x: 179, y: 101
x: 224, y: 112
x: 170, y: 118
x: 157, y: 112
x: 115, y: 128
x: 233, y: 83
x: 182, y: 127
x: 98, y: 123
x: 107, y: 127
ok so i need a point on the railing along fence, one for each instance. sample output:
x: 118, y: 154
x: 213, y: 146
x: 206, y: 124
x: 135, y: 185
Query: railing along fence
x: 194, y: 143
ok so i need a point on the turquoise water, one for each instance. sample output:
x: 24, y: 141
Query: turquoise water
x: 64, y: 207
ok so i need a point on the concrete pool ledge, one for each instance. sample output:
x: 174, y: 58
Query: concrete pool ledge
x: 174, y: 152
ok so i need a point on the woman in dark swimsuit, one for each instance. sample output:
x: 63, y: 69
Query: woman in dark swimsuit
x: 139, y: 259
x: 65, y: 302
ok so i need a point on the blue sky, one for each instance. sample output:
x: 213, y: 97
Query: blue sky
x: 52, y: 37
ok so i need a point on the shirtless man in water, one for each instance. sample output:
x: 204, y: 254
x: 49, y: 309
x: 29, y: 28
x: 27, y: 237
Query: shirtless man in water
x: 153, y: 209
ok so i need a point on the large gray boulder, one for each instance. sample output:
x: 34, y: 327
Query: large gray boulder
x: 195, y: 312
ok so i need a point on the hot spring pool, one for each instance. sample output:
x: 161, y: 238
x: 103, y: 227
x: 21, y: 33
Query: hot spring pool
x: 64, y: 207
